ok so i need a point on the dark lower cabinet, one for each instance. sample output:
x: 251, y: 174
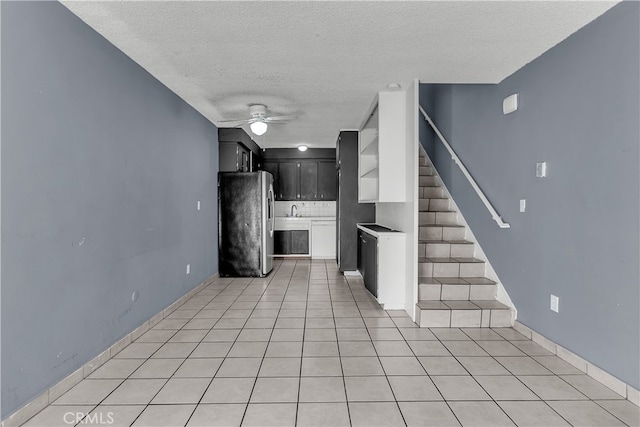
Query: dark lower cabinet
x: 281, y: 242
x: 368, y: 261
x: 291, y: 242
x: 299, y: 242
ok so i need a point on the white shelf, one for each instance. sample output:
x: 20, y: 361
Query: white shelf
x: 368, y: 139
x: 373, y: 173
x: 382, y: 160
x: 371, y: 149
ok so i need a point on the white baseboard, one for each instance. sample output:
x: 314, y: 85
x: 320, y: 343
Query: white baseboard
x: 598, y: 374
x: 352, y: 273
x: 36, y: 405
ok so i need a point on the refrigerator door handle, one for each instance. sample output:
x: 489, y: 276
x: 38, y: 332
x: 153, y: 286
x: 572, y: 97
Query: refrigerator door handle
x: 272, y: 218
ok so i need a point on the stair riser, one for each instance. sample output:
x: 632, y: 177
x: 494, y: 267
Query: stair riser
x: 465, y: 318
x: 438, y: 250
x: 429, y: 292
x: 446, y: 250
x: 428, y: 181
x: 432, y: 192
x: 439, y: 205
x: 422, y: 161
x: 451, y: 269
x: 459, y: 250
x: 433, y: 232
x: 449, y: 218
x: 483, y: 292
x: 456, y: 292
x: 426, y: 171
x: 435, y: 218
x: 426, y: 218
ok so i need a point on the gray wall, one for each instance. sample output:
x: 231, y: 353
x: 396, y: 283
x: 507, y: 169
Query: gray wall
x: 579, y: 238
x: 102, y: 167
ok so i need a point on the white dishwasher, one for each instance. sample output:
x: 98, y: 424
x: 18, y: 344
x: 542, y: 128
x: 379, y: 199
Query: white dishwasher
x: 323, y: 239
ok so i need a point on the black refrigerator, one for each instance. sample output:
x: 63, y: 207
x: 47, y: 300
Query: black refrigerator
x: 245, y: 224
x: 349, y: 211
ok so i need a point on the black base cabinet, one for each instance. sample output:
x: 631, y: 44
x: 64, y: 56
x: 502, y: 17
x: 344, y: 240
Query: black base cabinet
x: 368, y: 261
x: 281, y: 242
x: 291, y: 242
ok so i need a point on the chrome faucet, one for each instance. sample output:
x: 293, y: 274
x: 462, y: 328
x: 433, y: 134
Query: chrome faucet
x: 293, y: 206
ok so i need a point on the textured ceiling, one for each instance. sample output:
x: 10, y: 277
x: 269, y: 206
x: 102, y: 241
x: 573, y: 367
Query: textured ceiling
x: 323, y: 60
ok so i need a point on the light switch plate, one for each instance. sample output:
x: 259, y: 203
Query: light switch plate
x: 523, y: 205
x: 541, y: 169
x: 510, y: 104
x: 555, y: 303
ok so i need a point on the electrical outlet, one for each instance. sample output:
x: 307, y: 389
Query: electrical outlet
x: 188, y: 268
x: 523, y: 205
x: 555, y: 303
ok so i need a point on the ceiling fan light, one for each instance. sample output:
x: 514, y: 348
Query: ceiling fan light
x: 259, y: 128
x: 302, y: 147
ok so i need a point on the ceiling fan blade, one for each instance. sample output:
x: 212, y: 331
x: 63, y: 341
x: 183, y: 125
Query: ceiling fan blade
x: 279, y: 118
x: 235, y: 122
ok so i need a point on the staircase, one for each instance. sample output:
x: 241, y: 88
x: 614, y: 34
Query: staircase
x: 452, y: 288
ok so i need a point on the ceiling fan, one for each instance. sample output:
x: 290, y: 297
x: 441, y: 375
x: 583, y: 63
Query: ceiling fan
x: 258, y: 122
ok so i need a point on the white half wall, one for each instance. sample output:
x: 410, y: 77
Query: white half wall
x: 404, y: 216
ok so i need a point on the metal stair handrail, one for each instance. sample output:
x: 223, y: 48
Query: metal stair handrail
x: 494, y: 214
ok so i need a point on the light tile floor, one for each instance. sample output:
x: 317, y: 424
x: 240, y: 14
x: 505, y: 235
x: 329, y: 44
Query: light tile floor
x: 305, y: 346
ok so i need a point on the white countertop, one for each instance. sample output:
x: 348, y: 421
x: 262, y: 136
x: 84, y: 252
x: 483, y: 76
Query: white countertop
x: 300, y: 222
x: 377, y: 233
x: 306, y: 218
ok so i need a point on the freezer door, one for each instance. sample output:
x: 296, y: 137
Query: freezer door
x: 239, y: 224
x: 268, y: 222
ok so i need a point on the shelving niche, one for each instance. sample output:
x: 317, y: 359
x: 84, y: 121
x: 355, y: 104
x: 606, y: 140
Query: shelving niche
x: 381, y: 150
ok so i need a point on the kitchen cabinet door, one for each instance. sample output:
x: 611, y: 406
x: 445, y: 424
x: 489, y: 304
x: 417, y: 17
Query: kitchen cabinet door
x: 327, y: 185
x: 228, y: 157
x: 371, y: 264
x: 368, y: 261
x: 308, y: 180
x: 300, y: 242
x: 244, y: 159
x: 281, y: 242
x: 288, y: 181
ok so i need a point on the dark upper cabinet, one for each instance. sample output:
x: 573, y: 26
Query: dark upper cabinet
x: 302, y: 176
x: 228, y: 157
x: 327, y: 185
x: 272, y: 168
x: 288, y: 181
x: 308, y: 180
x: 237, y: 151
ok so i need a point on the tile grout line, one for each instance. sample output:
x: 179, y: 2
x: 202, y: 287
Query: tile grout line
x: 228, y: 351
x: 167, y: 341
x: 268, y: 342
